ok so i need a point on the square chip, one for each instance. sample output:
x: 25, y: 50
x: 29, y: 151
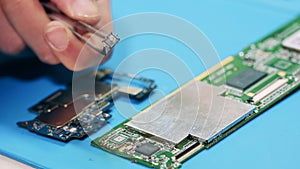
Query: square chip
x: 119, y: 139
x: 147, y: 149
x: 245, y: 79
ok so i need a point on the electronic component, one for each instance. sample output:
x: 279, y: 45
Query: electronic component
x: 268, y: 90
x: 64, y: 117
x: 64, y: 123
x: 245, y: 79
x: 187, y: 150
x: 197, y: 109
x: 120, y: 139
x: 207, y: 109
x: 293, y: 41
x: 147, y: 149
x: 283, y: 64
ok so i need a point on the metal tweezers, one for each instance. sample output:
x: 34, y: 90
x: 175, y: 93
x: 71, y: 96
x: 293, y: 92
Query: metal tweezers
x: 109, y: 40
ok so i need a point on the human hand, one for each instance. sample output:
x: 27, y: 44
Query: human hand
x: 24, y: 22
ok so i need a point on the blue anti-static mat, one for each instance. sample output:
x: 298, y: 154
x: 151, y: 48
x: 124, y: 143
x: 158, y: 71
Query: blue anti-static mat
x: 270, y: 141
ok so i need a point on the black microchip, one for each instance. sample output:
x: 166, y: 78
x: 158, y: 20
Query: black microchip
x: 245, y: 79
x: 147, y: 149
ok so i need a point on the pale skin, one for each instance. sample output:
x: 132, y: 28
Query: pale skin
x: 24, y: 22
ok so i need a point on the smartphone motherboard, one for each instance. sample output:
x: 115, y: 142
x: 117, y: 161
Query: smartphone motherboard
x: 213, y: 105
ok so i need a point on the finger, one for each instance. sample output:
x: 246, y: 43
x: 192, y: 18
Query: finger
x: 68, y: 49
x: 105, y: 23
x: 84, y: 10
x: 10, y: 41
x: 105, y: 13
x: 29, y: 20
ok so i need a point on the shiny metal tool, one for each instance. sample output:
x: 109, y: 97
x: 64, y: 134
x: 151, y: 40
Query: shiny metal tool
x: 108, y: 42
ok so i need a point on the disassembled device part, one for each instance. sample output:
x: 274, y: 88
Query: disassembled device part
x: 212, y: 106
x: 63, y: 117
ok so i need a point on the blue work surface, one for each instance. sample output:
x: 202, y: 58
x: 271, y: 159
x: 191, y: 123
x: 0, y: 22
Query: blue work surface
x: 269, y: 141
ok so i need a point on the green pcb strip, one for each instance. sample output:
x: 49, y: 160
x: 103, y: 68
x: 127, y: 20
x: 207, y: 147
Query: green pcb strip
x: 256, y: 78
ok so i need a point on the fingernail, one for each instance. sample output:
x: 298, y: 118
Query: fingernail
x: 57, y: 37
x: 85, y: 8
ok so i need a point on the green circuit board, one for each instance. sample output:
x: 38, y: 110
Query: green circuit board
x: 241, y: 87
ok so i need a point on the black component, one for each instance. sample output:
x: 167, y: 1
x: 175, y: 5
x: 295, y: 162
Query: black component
x: 245, y: 79
x: 187, y: 149
x: 147, y: 149
x: 250, y: 100
x: 58, y: 131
